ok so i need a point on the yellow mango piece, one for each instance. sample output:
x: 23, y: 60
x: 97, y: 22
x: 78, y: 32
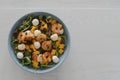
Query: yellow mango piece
x: 53, y: 52
x: 35, y: 64
x: 36, y: 52
x: 61, y: 51
x: 33, y: 47
x: 27, y: 47
x: 41, y: 21
x: 52, y: 21
x: 44, y: 26
x: 61, y: 46
x: 57, y: 43
x: 33, y: 29
x: 59, y: 39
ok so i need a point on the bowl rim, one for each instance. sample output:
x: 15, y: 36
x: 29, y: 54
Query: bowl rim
x: 11, y: 51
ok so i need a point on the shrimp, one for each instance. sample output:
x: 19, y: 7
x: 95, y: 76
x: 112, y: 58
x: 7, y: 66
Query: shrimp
x: 47, y: 45
x: 56, y: 28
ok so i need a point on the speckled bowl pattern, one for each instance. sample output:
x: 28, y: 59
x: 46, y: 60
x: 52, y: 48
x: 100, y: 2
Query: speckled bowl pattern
x: 62, y: 58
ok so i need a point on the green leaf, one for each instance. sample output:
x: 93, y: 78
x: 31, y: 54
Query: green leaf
x: 27, y: 60
x: 49, y: 17
x: 26, y: 28
x: 40, y: 17
x: 22, y: 62
x: 26, y: 53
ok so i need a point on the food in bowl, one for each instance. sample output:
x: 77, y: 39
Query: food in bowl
x: 39, y: 41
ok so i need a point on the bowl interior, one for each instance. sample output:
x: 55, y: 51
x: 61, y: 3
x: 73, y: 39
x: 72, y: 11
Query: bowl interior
x: 18, y: 23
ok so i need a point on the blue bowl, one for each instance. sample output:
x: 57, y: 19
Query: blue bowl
x: 62, y: 58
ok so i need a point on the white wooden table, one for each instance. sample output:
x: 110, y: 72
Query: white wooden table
x: 94, y: 27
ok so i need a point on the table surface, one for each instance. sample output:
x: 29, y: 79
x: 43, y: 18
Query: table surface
x: 94, y: 27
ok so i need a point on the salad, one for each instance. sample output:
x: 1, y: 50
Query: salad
x: 39, y: 41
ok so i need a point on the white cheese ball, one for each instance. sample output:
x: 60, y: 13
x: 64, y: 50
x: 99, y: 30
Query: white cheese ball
x: 55, y: 59
x: 37, y: 44
x: 20, y: 55
x: 39, y: 58
x: 35, y: 22
x: 54, y: 37
x: 37, y: 32
x: 21, y: 46
x: 61, y: 31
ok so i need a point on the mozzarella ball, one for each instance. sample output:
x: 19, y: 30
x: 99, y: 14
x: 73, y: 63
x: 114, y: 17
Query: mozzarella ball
x: 61, y: 31
x: 21, y: 46
x: 37, y: 45
x: 39, y: 58
x: 37, y: 32
x: 55, y: 59
x: 54, y: 37
x: 20, y: 55
x: 35, y: 22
